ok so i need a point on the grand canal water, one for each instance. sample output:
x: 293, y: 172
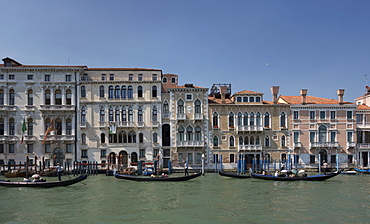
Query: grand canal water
x: 207, y: 199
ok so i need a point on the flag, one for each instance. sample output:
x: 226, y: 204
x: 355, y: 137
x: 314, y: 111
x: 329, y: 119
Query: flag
x: 50, y: 129
x: 24, y: 128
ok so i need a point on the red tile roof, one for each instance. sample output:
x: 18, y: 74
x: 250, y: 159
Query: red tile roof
x: 122, y: 69
x: 309, y: 100
x: 247, y: 92
x: 363, y: 107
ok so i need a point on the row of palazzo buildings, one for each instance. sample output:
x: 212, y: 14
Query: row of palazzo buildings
x: 120, y: 116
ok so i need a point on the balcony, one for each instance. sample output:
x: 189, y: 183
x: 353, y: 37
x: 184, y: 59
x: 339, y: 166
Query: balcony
x: 363, y: 146
x: 181, y: 116
x: 155, y: 123
x: 324, y: 144
x: 59, y: 137
x: 123, y: 124
x: 8, y: 108
x: 297, y: 145
x: 190, y: 143
x: 57, y: 108
x: 250, y: 147
x: 198, y: 116
x: 165, y: 115
x: 351, y: 144
x: 249, y: 128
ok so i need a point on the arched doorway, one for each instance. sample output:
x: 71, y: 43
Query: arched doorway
x: 323, y: 156
x: 248, y: 161
x: 112, y: 158
x: 123, y: 159
x: 58, y: 156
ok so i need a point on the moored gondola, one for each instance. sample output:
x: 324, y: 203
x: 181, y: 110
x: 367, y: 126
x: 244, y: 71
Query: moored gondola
x: 45, y: 184
x: 363, y: 171
x: 234, y: 175
x: 319, y: 177
x: 137, y: 178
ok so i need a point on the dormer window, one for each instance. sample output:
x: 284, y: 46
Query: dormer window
x: 239, y: 99
x: 245, y: 99
x: 258, y: 99
x: 251, y: 99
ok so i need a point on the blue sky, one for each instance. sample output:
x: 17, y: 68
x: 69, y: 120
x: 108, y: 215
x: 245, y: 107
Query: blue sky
x: 321, y: 46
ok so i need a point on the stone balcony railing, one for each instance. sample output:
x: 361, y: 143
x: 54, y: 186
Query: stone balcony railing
x: 189, y: 143
x: 249, y: 128
x: 250, y: 147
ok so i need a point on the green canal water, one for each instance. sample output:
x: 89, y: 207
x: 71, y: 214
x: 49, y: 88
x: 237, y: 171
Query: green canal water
x: 207, y: 199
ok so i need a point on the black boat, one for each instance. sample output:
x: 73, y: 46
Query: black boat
x: 307, y: 178
x: 137, y: 178
x: 42, y: 184
x: 234, y: 175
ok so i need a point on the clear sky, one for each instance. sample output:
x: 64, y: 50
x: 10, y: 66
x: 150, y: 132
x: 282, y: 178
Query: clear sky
x: 321, y: 46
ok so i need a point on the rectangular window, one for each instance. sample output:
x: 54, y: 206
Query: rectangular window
x: 29, y: 148
x: 69, y: 148
x: 296, y: 137
x: 83, y: 153
x: 332, y: 115
x: 322, y: 115
x: 103, y: 77
x: 103, y: 153
x: 251, y: 99
x: 140, y: 77
x: 189, y: 96
x: 29, y: 77
x: 295, y: 115
x: 130, y: 77
x: 1, y: 148
x: 232, y: 158
x: 155, y: 152
x: 333, y: 136
x: 111, y: 77
x: 245, y: 99
x: 47, y: 148
x: 312, y: 115
x: 11, y: 77
x: 239, y: 99
x: 142, y: 153
x: 154, y: 77
x: 333, y: 158
x: 215, y: 158
x: 312, y: 158
x: 359, y: 118
x: 350, y: 136
x: 47, y: 78
x: 180, y: 158
x: 350, y: 158
x: 1, y: 76
x: 68, y: 78
x: 349, y: 114
x: 11, y: 148
x: 258, y: 99
x: 198, y: 158
x: 312, y: 137
x: 190, y: 157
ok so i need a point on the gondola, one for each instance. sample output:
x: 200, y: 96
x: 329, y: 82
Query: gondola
x: 363, y: 171
x: 234, y: 175
x: 137, y: 178
x: 308, y: 178
x: 46, y: 184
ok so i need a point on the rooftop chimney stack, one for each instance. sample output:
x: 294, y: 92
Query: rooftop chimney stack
x: 223, y: 91
x: 275, y: 92
x: 304, y: 95
x: 340, y: 93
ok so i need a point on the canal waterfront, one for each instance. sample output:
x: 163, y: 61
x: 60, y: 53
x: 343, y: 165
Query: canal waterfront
x: 207, y: 199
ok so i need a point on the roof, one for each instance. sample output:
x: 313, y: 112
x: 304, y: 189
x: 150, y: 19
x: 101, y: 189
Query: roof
x: 45, y: 66
x: 212, y: 100
x: 187, y: 87
x: 248, y: 92
x: 363, y: 107
x: 309, y: 100
x: 122, y: 69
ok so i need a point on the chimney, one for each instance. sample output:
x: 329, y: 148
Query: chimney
x: 340, y: 93
x: 223, y: 91
x: 275, y: 92
x: 304, y: 94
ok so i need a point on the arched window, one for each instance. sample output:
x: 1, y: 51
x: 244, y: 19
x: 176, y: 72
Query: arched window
x: 130, y: 114
x: 215, y: 141
x: 12, y: 127
x: 166, y: 109
x: 232, y: 144
x: 102, y: 115
x: 240, y: 140
x: 189, y: 133
x: 134, y: 157
x: 47, y: 97
x: 140, y: 114
x: 180, y: 107
x: 323, y: 133
x: 139, y: 91
x: 231, y: 119
x: 283, y: 120
x: 30, y: 97
x: 131, y: 137
x: 164, y: 80
x: 83, y: 91
x: 117, y: 114
x: 58, y: 97
x: 116, y: 92
x: 240, y: 119
x: 267, y: 141
x: 2, y: 127
x: 267, y: 120
x: 68, y: 126
x: 283, y: 144
x: 258, y: 140
x: 215, y: 119
x: 154, y: 114
x: 110, y: 115
x: 198, y: 133
x: 251, y: 140
x: 58, y: 127
x: 130, y: 94
x: 258, y: 119
x: 197, y: 107
x: 124, y: 115
x: 122, y: 137
x: 245, y: 119
x: 155, y: 137
x: 111, y: 92
x: 1, y: 97
x: 251, y: 120
x: 173, y: 80
x: 69, y: 97
x: 123, y: 92
x: 12, y: 97
x: 246, y: 140
x: 101, y: 91
x: 83, y: 138
x: 83, y: 115
x: 181, y: 133
x: 154, y: 91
